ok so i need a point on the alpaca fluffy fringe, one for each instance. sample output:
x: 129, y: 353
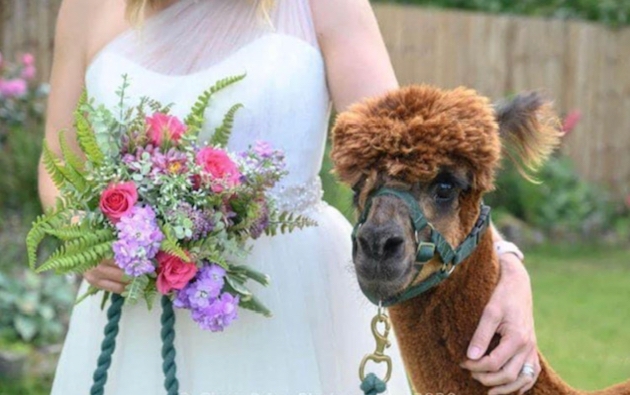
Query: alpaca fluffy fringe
x: 411, y: 133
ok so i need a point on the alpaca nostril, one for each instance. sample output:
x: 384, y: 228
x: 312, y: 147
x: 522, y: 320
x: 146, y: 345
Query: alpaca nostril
x: 392, y: 246
x: 365, y: 245
x: 380, y: 243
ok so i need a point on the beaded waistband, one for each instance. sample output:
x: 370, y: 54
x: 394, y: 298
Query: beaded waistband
x: 299, y: 197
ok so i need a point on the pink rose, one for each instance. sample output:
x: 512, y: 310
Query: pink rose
x: 217, y: 164
x: 118, y: 199
x: 13, y: 88
x: 173, y: 272
x: 162, y: 126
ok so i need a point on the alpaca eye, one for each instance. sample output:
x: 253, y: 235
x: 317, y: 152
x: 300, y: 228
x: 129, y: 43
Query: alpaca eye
x: 444, y: 192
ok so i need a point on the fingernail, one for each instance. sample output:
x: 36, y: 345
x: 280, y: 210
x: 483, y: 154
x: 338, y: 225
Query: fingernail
x: 474, y: 352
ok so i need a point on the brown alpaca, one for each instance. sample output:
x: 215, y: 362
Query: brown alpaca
x: 444, y: 148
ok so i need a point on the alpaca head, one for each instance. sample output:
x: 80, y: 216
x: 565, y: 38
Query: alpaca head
x: 443, y: 147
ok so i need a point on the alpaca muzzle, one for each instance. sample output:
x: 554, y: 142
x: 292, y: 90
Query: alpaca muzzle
x: 425, y: 251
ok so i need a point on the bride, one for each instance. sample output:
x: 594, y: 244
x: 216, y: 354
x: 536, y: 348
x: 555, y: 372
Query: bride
x: 300, y: 56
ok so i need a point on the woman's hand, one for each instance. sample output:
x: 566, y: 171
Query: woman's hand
x: 107, y: 276
x: 509, y: 314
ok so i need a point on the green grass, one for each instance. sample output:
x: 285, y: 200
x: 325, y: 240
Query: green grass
x: 582, y: 311
x: 26, y: 386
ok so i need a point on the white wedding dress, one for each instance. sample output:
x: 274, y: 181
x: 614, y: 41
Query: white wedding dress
x: 320, y: 329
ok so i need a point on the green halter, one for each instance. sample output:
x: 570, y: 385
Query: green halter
x: 450, y: 257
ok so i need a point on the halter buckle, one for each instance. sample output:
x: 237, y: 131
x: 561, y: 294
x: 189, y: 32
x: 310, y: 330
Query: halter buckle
x: 448, y: 268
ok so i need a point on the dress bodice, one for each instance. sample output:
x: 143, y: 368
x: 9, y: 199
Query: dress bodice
x: 284, y: 93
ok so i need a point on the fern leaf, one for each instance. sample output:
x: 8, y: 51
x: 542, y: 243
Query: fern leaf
x: 288, y: 222
x: 52, y: 165
x: 52, y: 218
x: 135, y: 289
x: 86, y: 241
x: 150, y: 292
x: 194, y: 120
x: 67, y: 233
x: 222, y: 133
x: 171, y: 246
x: 92, y: 290
x: 66, y: 263
x: 69, y: 156
x: 73, y: 169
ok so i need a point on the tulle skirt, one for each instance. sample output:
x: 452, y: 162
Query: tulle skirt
x: 319, y: 332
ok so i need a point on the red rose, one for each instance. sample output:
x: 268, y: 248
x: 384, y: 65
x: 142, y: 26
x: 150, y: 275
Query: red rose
x: 118, y: 199
x: 172, y: 272
x: 161, y: 126
x: 216, y: 163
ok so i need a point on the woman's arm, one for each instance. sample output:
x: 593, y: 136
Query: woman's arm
x: 357, y: 62
x: 358, y: 66
x: 66, y: 85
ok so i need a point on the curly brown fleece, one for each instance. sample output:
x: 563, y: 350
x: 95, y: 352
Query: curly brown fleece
x: 413, y: 132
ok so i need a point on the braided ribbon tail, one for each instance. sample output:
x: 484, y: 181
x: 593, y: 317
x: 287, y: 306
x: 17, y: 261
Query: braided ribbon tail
x: 108, y: 345
x: 168, y: 350
x: 372, y: 385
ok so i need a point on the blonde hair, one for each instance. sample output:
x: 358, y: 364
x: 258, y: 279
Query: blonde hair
x: 136, y: 8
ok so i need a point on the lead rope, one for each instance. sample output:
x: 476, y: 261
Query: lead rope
x: 371, y: 384
x: 107, y: 346
x: 168, y: 349
x: 171, y: 384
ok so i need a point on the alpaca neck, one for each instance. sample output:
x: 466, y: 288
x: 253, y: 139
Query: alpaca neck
x: 434, y: 329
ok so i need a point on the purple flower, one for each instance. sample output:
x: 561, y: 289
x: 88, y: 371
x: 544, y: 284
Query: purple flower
x: 203, y: 289
x: 171, y: 162
x: 262, y: 222
x: 202, y: 223
x: 263, y: 149
x: 210, y: 308
x: 139, y: 239
x: 181, y: 300
x: 219, y: 314
x: 262, y: 165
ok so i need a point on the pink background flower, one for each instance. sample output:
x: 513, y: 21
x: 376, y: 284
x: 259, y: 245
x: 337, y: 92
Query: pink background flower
x: 28, y: 73
x: 118, y: 199
x: 28, y: 59
x: 173, y: 272
x: 220, y: 167
x: 13, y: 88
x: 161, y: 126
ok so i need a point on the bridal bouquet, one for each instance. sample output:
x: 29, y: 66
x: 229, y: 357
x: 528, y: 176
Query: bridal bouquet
x: 174, y: 214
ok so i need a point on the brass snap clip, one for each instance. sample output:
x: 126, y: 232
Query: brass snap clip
x: 382, y: 343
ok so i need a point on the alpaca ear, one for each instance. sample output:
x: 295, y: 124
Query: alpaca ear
x: 529, y: 130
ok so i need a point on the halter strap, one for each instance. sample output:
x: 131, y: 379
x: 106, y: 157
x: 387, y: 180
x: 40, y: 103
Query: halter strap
x: 450, y: 257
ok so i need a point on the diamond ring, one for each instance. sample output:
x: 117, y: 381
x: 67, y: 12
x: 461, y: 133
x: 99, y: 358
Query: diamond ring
x: 528, y: 370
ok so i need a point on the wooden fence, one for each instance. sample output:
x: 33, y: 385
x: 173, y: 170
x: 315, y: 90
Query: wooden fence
x: 29, y: 26
x: 583, y: 66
